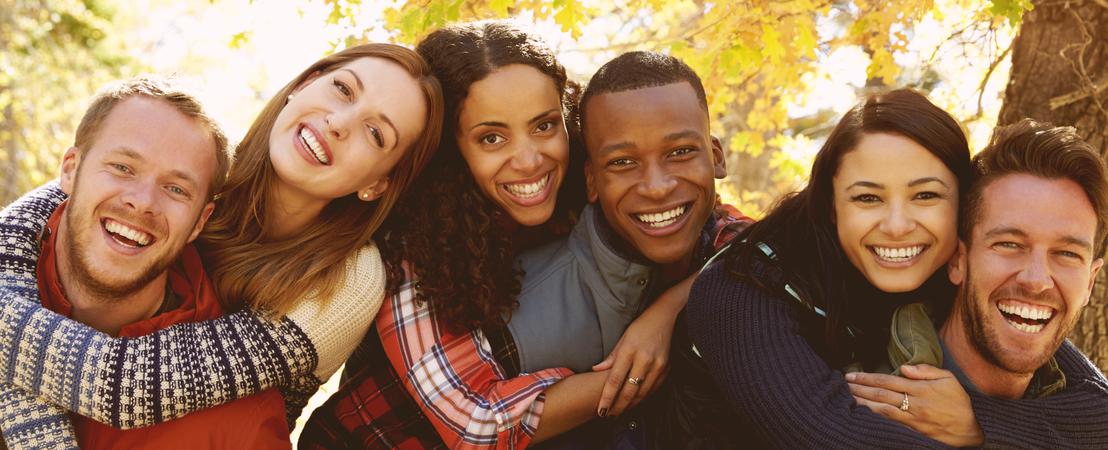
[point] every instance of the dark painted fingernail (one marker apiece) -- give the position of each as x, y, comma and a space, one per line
603, 412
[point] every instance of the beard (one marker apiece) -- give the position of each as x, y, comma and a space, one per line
81, 265
985, 336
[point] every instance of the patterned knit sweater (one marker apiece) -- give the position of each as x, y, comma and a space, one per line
135, 382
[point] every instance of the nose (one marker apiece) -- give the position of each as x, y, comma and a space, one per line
338, 124
656, 183
898, 221
1035, 275
527, 158
141, 197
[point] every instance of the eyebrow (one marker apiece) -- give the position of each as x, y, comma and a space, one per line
131, 153
686, 134
1068, 239
361, 87
913, 183
504, 125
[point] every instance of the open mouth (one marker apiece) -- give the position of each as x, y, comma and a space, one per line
314, 147
1025, 316
125, 235
531, 192
897, 255
662, 219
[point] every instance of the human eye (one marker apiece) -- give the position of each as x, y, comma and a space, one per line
928, 195
343, 88
545, 126
620, 163
177, 190
121, 168
1007, 245
1068, 254
865, 198
683, 151
378, 137
491, 139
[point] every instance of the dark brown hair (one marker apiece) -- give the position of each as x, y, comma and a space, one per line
464, 260
1042, 150
162, 89
273, 275
801, 227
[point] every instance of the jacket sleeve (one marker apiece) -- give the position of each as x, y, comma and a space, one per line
456, 381
134, 382
751, 343
1072, 418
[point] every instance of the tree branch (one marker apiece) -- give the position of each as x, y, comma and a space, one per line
1078, 95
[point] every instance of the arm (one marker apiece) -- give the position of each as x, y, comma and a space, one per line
1072, 418
751, 343
189, 366
465, 394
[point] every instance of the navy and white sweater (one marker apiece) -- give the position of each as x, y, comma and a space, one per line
135, 382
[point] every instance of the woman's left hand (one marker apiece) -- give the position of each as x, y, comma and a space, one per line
640, 359
937, 406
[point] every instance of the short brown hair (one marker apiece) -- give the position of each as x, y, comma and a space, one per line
158, 88
1046, 151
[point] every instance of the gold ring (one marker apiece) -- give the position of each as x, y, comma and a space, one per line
634, 381
904, 403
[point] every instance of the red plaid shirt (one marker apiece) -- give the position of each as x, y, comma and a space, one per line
465, 398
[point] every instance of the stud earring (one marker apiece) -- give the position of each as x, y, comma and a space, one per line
365, 195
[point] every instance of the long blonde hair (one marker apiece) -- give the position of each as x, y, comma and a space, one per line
273, 275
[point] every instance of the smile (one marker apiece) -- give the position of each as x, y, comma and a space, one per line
897, 254
529, 193
127, 236
662, 219
1025, 316
307, 137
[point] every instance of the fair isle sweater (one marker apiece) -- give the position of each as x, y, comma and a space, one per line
135, 382
782, 394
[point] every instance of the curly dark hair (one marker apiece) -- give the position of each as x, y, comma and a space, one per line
458, 243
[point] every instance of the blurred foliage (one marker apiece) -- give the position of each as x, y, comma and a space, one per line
755, 56
53, 55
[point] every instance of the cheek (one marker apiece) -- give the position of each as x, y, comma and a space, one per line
942, 222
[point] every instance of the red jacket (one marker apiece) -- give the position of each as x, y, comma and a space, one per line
254, 422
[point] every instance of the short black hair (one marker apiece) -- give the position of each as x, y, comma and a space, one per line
637, 70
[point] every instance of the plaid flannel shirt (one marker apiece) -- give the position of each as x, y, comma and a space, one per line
467, 397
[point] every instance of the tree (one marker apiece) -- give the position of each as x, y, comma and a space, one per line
1060, 75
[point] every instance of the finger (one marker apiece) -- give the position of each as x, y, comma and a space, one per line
877, 394
605, 364
884, 381
885, 410
613, 384
651, 381
925, 372
629, 392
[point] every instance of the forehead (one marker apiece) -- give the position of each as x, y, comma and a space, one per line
643, 117
890, 160
159, 134
390, 86
1038, 206
515, 91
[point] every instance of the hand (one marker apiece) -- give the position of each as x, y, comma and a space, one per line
938, 406
641, 353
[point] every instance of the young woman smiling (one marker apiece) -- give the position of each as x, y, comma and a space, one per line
290, 238
813, 288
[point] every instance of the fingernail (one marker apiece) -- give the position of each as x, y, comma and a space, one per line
851, 376
603, 412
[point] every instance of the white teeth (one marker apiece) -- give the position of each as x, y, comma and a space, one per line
528, 190
1027, 328
141, 238
1028, 312
662, 219
898, 254
313, 146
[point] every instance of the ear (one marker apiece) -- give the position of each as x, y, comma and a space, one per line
373, 191
590, 183
1097, 265
70, 162
719, 160
956, 268
203, 219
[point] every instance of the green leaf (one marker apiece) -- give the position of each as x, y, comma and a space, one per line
1011, 9
240, 38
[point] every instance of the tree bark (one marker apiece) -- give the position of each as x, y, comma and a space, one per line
1060, 75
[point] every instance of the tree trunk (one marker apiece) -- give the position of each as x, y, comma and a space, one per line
1060, 75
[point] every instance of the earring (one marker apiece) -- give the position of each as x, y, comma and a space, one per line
365, 195
289, 98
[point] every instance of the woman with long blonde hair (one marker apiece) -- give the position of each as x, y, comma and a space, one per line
290, 238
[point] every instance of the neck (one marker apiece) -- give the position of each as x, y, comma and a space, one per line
293, 210
989, 378
105, 313
675, 271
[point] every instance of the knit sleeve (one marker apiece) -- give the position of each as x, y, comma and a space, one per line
133, 382
751, 343
1073, 418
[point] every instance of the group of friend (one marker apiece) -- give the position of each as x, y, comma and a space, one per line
503, 259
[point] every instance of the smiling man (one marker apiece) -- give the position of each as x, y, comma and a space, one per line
117, 254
